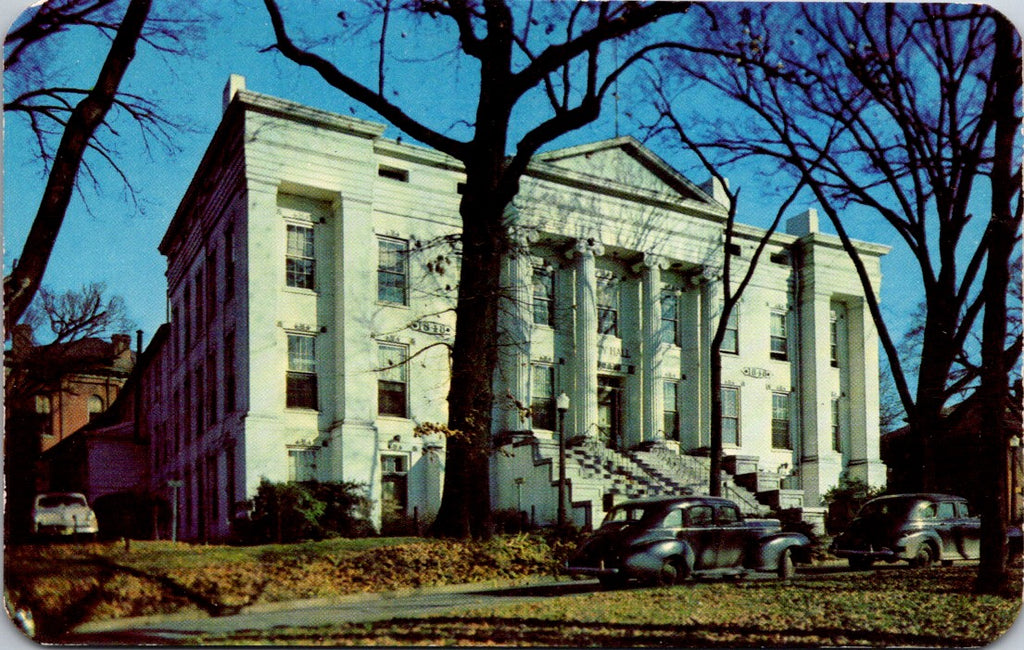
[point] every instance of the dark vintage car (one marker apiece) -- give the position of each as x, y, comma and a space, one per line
918, 528
665, 540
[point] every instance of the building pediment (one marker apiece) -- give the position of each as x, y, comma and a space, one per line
625, 162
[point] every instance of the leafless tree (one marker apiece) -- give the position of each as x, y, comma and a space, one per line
553, 52
73, 315
76, 117
910, 113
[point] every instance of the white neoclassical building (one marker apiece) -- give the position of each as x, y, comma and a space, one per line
312, 270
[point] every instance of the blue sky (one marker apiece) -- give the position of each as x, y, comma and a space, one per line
106, 239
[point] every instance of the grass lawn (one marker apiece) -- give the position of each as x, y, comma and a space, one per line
68, 584
893, 606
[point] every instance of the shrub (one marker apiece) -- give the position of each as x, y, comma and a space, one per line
309, 510
844, 500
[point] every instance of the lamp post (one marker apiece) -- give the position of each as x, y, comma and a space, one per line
562, 405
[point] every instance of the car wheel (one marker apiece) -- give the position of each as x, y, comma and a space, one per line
923, 559
860, 563
673, 571
786, 569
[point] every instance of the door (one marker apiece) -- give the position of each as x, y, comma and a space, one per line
730, 536
699, 532
609, 410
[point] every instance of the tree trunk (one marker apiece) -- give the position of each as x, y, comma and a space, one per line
993, 572
21, 285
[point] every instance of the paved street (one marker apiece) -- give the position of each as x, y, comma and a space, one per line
312, 613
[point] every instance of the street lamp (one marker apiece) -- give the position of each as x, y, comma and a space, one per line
562, 405
174, 485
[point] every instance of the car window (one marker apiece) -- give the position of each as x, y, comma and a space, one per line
699, 516
58, 500
673, 519
626, 513
963, 509
946, 510
728, 514
925, 510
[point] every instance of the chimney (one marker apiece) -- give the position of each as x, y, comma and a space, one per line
717, 190
235, 83
121, 343
22, 339
803, 224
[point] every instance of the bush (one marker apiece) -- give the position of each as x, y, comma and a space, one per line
844, 500
309, 510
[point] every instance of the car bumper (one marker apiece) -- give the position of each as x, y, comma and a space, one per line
65, 529
592, 571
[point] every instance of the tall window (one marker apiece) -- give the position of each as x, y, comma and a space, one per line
394, 487
731, 341
301, 464
211, 285
833, 338
779, 336
229, 261
837, 429
189, 311
393, 381
607, 306
393, 271
200, 410
211, 388
229, 372
670, 317
730, 415
543, 297
542, 397
301, 390
671, 419
299, 257
780, 421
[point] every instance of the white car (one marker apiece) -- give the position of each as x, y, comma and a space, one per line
63, 513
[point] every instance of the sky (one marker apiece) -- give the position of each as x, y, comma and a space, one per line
108, 238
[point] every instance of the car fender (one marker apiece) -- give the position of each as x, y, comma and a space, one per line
647, 560
911, 542
769, 549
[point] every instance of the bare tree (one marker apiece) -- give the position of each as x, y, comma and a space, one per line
74, 315
67, 121
518, 50
912, 114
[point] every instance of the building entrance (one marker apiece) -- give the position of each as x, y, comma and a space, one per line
609, 410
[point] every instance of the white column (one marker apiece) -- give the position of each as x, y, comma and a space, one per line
651, 358
819, 465
864, 461
584, 402
515, 323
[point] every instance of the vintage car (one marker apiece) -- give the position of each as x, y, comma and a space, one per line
63, 513
918, 528
665, 540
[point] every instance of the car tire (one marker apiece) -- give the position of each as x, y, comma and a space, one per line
924, 557
786, 569
860, 563
674, 571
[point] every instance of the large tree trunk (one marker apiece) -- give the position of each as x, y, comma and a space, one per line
993, 573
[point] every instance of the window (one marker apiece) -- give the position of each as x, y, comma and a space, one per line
393, 271
727, 514
607, 306
211, 388
671, 420
670, 317
43, 404
200, 410
542, 399
299, 257
837, 430
188, 316
674, 519
200, 305
301, 390
779, 338
211, 285
833, 338
730, 415
700, 516
393, 383
780, 421
394, 483
229, 372
946, 510
229, 261
301, 464
543, 297
95, 406
731, 340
